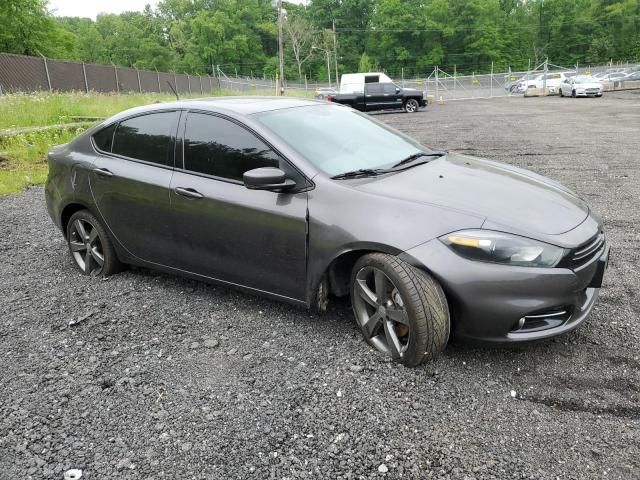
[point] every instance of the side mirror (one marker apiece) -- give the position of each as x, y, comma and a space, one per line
267, 178
397, 89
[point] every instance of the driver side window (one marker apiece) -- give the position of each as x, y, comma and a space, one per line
220, 148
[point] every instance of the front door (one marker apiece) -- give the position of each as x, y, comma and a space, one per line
374, 96
130, 183
225, 231
392, 96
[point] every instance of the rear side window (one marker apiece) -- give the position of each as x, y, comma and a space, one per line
147, 137
218, 147
374, 88
104, 138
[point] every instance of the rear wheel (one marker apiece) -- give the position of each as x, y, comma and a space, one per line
402, 311
560, 92
90, 245
411, 105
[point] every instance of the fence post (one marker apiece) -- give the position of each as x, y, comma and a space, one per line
158, 75
46, 69
454, 78
115, 69
84, 74
189, 82
200, 78
175, 81
437, 83
139, 83
491, 81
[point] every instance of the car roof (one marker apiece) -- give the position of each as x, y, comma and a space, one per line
237, 105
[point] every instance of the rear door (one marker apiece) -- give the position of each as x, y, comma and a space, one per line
130, 182
374, 96
225, 231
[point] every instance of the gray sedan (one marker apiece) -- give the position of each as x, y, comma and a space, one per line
303, 201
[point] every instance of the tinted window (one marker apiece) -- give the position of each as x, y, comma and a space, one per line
104, 138
389, 88
147, 137
374, 88
218, 147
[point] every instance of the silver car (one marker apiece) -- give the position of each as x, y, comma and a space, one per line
580, 86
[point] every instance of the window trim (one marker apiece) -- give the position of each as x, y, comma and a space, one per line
307, 184
117, 123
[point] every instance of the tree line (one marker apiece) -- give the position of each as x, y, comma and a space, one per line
405, 37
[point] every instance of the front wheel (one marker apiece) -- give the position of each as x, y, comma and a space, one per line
401, 311
90, 245
573, 93
411, 105
560, 92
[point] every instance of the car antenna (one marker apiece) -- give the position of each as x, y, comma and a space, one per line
173, 89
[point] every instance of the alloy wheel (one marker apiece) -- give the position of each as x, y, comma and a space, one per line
411, 105
379, 309
86, 246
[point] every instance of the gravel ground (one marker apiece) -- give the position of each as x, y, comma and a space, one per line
162, 377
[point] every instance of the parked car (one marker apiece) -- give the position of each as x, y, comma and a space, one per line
324, 92
611, 77
580, 86
633, 76
382, 96
519, 85
302, 200
551, 80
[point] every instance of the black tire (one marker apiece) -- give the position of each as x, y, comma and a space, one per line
411, 105
426, 324
96, 244
560, 92
573, 93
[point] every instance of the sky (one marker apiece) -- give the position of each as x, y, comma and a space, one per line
91, 8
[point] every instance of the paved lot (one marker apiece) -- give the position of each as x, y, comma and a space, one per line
169, 378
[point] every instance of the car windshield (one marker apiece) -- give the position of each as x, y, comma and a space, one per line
584, 80
338, 139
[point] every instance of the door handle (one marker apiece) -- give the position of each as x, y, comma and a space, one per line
103, 171
188, 192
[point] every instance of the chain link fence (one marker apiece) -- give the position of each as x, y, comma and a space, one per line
21, 73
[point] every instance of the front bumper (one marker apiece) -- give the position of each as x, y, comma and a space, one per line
489, 301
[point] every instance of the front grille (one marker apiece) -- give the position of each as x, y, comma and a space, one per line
593, 90
585, 252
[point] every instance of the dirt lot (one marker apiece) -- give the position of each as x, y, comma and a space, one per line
169, 378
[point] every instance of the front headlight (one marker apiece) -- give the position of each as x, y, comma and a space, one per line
504, 248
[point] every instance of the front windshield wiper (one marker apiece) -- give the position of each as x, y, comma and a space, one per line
417, 155
361, 172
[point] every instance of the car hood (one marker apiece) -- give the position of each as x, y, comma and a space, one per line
513, 198
583, 86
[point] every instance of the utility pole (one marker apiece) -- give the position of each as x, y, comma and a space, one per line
280, 49
335, 52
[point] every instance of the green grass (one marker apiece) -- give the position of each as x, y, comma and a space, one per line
23, 160
23, 156
39, 109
